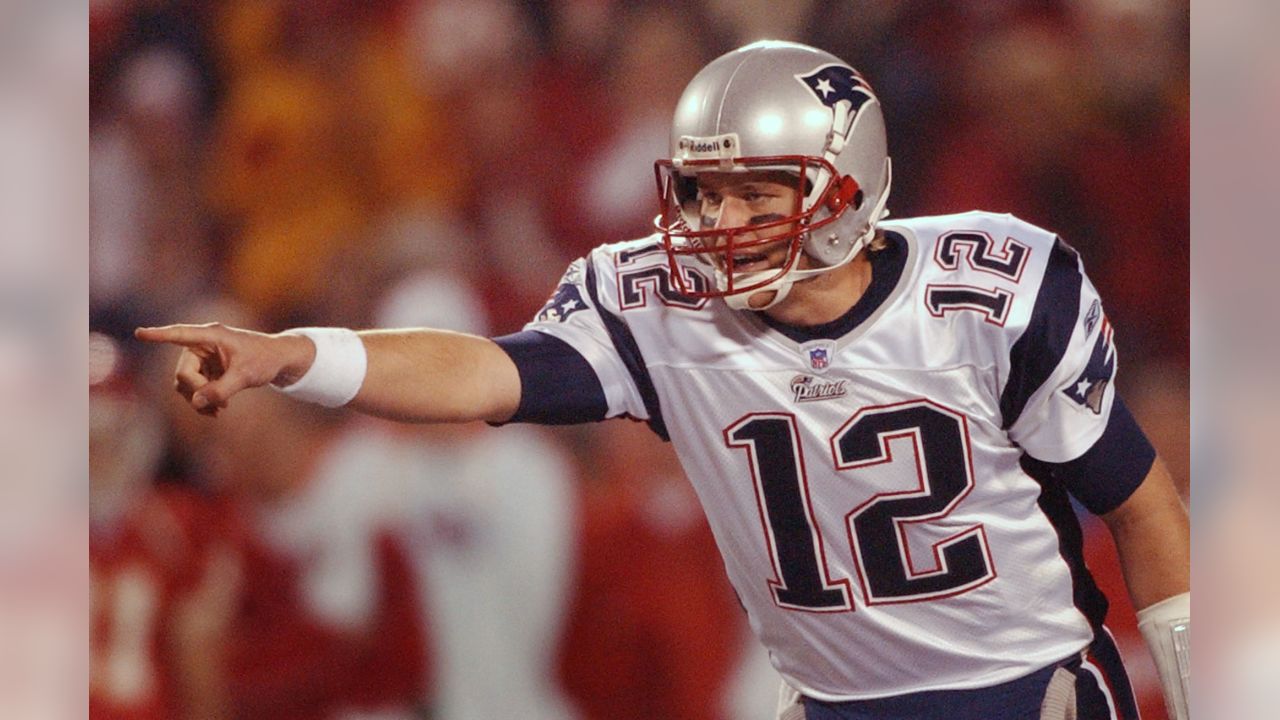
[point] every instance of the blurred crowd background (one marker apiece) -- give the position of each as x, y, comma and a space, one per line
273, 163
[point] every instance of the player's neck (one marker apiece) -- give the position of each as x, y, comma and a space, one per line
826, 297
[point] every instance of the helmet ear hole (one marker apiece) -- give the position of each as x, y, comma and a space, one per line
845, 189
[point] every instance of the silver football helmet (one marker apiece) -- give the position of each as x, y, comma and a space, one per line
775, 105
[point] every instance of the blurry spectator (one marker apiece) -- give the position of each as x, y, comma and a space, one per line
1138, 60
159, 568
107, 21
120, 30
751, 20
149, 226
1137, 49
326, 622
488, 519
324, 125
1035, 144
402, 251
520, 566
514, 136
655, 43
655, 630
578, 31
909, 50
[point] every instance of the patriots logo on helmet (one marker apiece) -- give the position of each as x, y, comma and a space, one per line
1090, 387
833, 83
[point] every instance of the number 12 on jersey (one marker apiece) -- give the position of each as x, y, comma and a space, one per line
876, 528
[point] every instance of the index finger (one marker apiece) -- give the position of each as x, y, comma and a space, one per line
186, 335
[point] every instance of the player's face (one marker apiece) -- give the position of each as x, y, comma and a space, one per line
755, 203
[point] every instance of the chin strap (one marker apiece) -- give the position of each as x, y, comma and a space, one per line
780, 289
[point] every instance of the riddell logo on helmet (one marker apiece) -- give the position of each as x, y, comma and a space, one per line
715, 146
703, 147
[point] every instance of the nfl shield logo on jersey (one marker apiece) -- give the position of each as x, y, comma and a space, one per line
819, 354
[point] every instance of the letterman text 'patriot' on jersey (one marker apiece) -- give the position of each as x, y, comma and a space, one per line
887, 490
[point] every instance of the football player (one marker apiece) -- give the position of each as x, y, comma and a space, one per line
161, 564
884, 421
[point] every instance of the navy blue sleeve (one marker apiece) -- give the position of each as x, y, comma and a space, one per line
1107, 473
557, 385
1040, 349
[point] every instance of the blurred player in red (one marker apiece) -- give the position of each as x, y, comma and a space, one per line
627, 652
326, 621
521, 564
158, 571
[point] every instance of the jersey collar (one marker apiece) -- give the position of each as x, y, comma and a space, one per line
886, 272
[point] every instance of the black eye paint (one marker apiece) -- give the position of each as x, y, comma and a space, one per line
762, 219
709, 222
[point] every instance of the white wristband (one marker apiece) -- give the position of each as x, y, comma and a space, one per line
337, 373
1166, 626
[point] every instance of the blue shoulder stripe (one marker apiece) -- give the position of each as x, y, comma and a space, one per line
625, 343
1043, 344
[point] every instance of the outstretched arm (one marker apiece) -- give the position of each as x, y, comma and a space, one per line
415, 375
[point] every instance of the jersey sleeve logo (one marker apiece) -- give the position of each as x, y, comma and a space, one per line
1090, 387
1091, 317
567, 299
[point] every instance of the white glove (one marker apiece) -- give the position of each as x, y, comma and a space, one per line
1166, 626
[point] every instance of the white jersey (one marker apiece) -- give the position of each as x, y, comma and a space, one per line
488, 523
865, 490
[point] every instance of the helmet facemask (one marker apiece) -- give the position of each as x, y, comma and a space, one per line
822, 198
